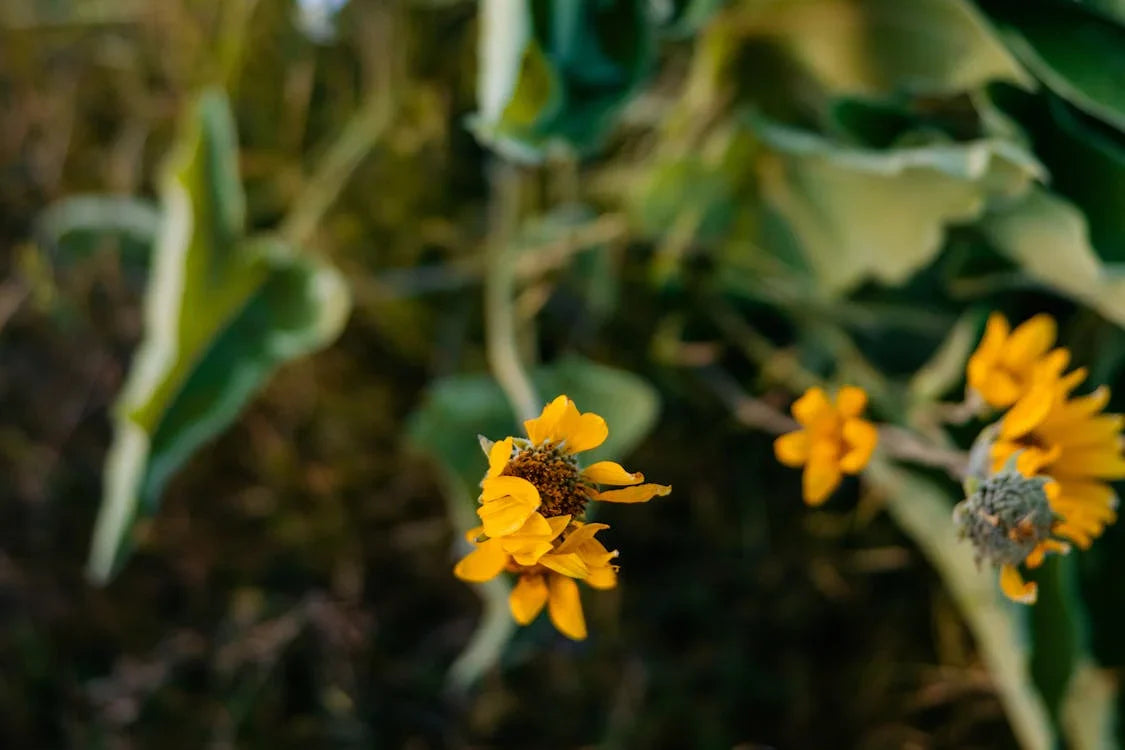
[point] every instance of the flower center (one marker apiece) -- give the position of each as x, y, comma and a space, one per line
1006, 517
555, 475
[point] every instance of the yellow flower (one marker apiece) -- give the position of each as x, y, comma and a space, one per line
833, 440
1000, 369
532, 502
1070, 440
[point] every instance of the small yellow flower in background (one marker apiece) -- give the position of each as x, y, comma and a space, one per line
1001, 368
1063, 445
533, 500
833, 440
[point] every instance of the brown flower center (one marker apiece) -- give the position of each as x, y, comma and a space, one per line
556, 477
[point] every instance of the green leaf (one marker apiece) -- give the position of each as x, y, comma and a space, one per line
458, 408
924, 511
554, 74
1049, 238
882, 214
222, 311
75, 225
877, 47
1076, 53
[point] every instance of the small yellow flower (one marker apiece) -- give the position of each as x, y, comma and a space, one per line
1070, 440
1000, 369
833, 440
533, 501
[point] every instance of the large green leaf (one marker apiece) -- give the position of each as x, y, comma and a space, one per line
222, 311
458, 408
553, 74
876, 47
1078, 54
1049, 238
882, 214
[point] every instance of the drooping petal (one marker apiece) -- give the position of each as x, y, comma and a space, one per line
861, 438
527, 598
1029, 341
498, 456
811, 406
568, 564
850, 401
531, 541
578, 535
542, 428
792, 448
819, 479
482, 564
640, 493
608, 472
473, 534
493, 488
565, 607
505, 515
602, 578
1014, 587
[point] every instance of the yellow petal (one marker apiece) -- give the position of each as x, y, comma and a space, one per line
1029, 341
565, 608
558, 523
498, 456
473, 534
861, 438
531, 541
505, 515
602, 578
812, 406
1099, 464
850, 401
641, 493
819, 479
581, 432
569, 564
526, 553
792, 448
1014, 587
542, 428
608, 472
482, 564
999, 389
1027, 413
494, 488
996, 332
579, 535
527, 598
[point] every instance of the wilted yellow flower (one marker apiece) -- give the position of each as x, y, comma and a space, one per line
1070, 440
533, 500
1000, 369
833, 440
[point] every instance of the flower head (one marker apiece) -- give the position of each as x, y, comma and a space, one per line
532, 505
1069, 439
832, 441
1001, 367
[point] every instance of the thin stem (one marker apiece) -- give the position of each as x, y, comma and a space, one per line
499, 288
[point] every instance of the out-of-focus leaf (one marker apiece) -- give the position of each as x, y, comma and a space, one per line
554, 74
1078, 54
222, 312
947, 367
458, 408
882, 214
1049, 238
73, 225
924, 512
876, 47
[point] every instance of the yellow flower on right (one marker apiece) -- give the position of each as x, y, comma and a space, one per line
1049, 433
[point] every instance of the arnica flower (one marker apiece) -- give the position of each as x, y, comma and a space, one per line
1001, 367
533, 502
832, 441
1069, 439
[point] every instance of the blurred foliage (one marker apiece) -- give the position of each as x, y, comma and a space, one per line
717, 199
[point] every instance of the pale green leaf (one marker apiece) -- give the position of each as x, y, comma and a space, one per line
1049, 238
882, 214
221, 313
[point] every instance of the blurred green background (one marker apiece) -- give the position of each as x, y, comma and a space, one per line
258, 256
